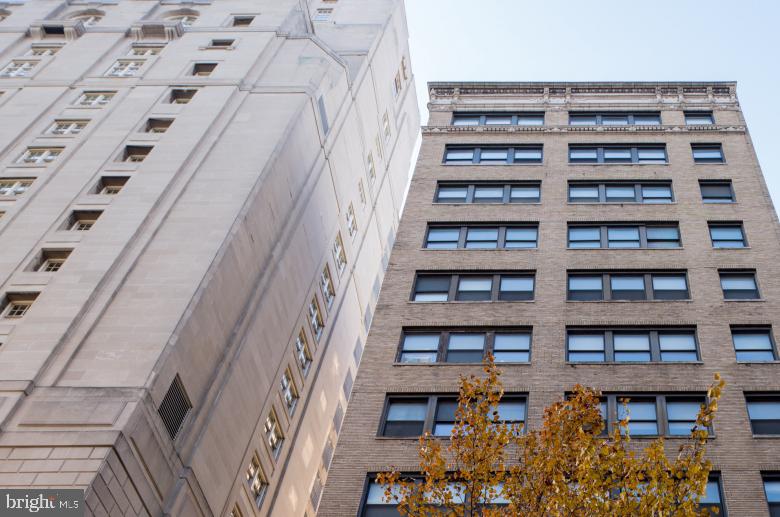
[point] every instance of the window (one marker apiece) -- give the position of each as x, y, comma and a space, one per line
654, 415
467, 345
39, 155
236, 512
243, 20
351, 221
326, 285
739, 285
624, 236
51, 261
362, 192
730, 235
157, 125
339, 255
764, 413
181, 96
411, 416
82, 220
481, 237
707, 153
135, 153
473, 287
376, 505
493, 155
95, 99
487, 193
627, 286
289, 392
371, 169
753, 344
256, 480
53, 31
221, 44
17, 304
18, 68
712, 499
67, 127
614, 119
110, 185
323, 114
699, 118
322, 14
386, 126
620, 192
273, 434
772, 492
89, 18
617, 154
302, 352
185, 19
631, 344
14, 186
315, 318
717, 191
41, 50
203, 69
125, 68
397, 84
145, 50
498, 119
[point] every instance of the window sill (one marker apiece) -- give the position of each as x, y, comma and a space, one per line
537, 164
751, 363
618, 203
732, 249
458, 364
404, 438
472, 301
628, 301
745, 300
633, 363
27, 166
8, 198
624, 249
766, 436
488, 204
477, 249
624, 164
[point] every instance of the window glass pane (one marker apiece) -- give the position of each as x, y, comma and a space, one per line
651, 154
726, 232
698, 118
712, 493
671, 342
716, 191
586, 342
482, 238
621, 282
617, 154
663, 236
524, 193
488, 193
463, 120
521, 237
682, 409
460, 154
433, 283
512, 342
614, 120
475, 284
647, 120
632, 341
493, 155
421, 342
511, 410
623, 237
583, 192
407, 410
772, 488
585, 154
466, 341
738, 282
496, 120
669, 282
528, 155
764, 410
584, 237
620, 192
443, 237
707, 154
585, 283
752, 341
530, 120
657, 194
582, 120
452, 193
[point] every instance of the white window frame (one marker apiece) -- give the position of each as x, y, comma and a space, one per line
289, 391
302, 352
19, 68
315, 318
12, 187
145, 50
274, 437
95, 99
256, 481
43, 50
39, 155
327, 287
339, 254
352, 226
63, 127
125, 68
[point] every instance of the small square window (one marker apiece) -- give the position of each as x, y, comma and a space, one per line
221, 44
110, 185
772, 493
707, 153
727, 236
50, 261
474, 288
242, 21
67, 127
431, 288
95, 99
764, 413
419, 348
256, 481
405, 417
157, 125
717, 191
753, 344
465, 347
82, 220
17, 304
203, 69
135, 153
739, 285
181, 96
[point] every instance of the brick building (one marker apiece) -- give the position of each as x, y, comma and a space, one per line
197, 203
618, 235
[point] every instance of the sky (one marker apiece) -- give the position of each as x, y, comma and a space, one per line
609, 40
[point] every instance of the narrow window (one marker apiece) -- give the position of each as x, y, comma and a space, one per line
323, 114
157, 125
712, 500
753, 344
772, 492
256, 480
445, 418
351, 221
371, 169
386, 126
289, 392
339, 255
302, 352
326, 285
203, 69
135, 153
181, 96
739, 286
764, 413
315, 318
273, 434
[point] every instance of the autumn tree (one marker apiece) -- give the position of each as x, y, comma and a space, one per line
569, 467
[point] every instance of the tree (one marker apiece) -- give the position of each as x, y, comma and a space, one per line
569, 467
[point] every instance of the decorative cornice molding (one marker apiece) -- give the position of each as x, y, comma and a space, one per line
429, 130
157, 30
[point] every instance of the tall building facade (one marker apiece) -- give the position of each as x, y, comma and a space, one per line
616, 235
197, 204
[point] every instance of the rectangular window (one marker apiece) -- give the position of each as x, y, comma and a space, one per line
432, 288
302, 353
707, 153
739, 285
386, 126
699, 118
273, 434
339, 255
516, 287
617, 154
631, 344
651, 415
473, 287
43, 50
412, 416
712, 500
221, 44
14, 186
135, 153
513, 155
727, 235
772, 493
620, 192
82, 220
39, 155
481, 237
145, 50
716, 191
397, 84
498, 119
203, 69
624, 236
466, 345
94, 99
289, 391
627, 286
181, 95
322, 14
323, 114
315, 318
256, 481
17, 304
157, 125
110, 185
18, 68
50, 261
764, 413
125, 68
753, 344
243, 20
351, 221
67, 127
614, 119
642, 415
326, 286
487, 193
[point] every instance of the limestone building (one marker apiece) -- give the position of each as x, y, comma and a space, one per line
197, 204
617, 235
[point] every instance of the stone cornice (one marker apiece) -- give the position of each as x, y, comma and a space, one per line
429, 130
677, 89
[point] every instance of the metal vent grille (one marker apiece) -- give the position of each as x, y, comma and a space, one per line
174, 407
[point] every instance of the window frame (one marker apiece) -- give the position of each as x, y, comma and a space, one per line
642, 228
443, 337
754, 329
702, 146
694, 113
511, 150
638, 187
256, 475
606, 285
769, 396
101, 98
772, 506
727, 224
501, 235
471, 187
599, 117
654, 334
17, 186
494, 295
717, 183
273, 435
634, 150
661, 411
482, 117
739, 272
69, 125
125, 67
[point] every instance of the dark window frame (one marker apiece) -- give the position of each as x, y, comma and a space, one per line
754, 329
727, 224
599, 117
721, 505
772, 506
654, 334
717, 183
445, 333
696, 146
482, 116
642, 228
739, 294
634, 152
763, 396
703, 113
637, 186
472, 186
501, 229
510, 155
495, 292
650, 293
661, 414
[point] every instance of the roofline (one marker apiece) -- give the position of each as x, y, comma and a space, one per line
562, 84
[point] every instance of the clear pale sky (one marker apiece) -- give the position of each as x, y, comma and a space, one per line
609, 40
